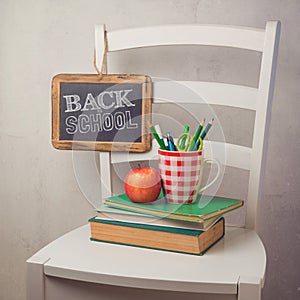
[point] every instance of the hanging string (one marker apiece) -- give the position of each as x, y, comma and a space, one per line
101, 71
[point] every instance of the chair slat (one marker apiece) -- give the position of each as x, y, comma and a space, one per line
187, 92
194, 34
121, 157
228, 154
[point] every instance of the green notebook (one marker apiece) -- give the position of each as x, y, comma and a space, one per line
208, 207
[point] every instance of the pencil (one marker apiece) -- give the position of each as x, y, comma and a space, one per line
205, 131
195, 139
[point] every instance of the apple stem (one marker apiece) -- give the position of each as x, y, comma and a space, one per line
139, 165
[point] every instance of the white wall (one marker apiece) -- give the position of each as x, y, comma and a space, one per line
40, 198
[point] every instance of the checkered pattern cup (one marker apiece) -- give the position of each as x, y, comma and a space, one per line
181, 174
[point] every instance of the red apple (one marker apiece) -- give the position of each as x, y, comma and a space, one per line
142, 184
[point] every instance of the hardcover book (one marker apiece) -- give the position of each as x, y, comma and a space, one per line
166, 238
108, 213
196, 212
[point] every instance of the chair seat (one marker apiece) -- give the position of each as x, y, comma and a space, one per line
73, 256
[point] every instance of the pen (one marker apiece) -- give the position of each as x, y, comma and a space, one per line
195, 138
170, 142
159, 141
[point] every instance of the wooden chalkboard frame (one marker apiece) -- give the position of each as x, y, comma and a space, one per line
130, 146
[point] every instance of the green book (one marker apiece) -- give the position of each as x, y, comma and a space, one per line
165, 238
208, 207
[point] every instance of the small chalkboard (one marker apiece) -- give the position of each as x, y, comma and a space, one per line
103, 113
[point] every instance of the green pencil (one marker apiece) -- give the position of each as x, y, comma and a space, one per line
196, 136
205, 131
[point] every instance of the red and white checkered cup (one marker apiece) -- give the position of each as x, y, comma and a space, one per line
181, 174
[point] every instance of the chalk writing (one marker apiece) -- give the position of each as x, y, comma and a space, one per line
111, 110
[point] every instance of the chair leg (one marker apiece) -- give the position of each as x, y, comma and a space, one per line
249, 288
35, 278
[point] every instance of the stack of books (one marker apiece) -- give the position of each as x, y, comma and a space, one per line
187, 228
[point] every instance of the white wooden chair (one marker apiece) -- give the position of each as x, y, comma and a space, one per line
235, 267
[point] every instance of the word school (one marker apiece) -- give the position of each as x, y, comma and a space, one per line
99, 121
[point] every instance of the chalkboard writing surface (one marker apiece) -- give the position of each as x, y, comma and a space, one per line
107, 113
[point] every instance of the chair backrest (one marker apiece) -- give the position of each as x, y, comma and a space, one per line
257, 99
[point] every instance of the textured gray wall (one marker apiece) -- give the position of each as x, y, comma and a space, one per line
40, 198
